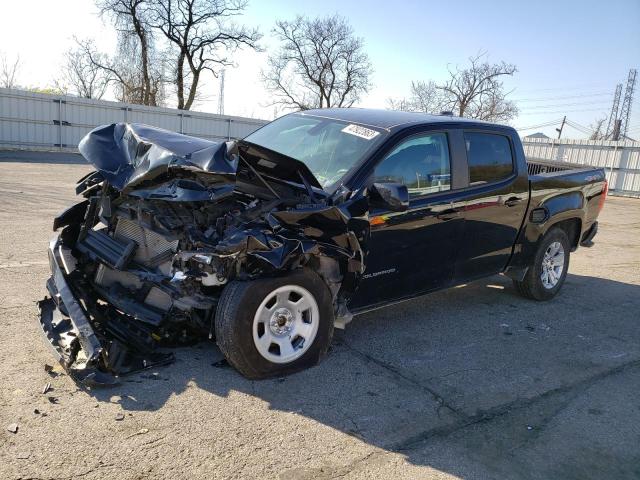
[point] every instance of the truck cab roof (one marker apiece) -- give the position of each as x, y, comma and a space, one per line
391, 120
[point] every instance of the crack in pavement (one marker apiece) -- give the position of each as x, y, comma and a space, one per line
416, 441
433, 393
488, 415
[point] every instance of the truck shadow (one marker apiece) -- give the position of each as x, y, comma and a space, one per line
399, 377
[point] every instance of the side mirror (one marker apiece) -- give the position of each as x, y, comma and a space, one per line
390, 196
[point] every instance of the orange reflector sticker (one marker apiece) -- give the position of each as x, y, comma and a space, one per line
377, 221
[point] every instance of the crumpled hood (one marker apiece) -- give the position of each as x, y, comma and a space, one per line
129, 154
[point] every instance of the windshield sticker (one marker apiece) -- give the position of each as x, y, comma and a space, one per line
361, 132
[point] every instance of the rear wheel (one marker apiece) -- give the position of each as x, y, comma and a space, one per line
275, 326
545, 277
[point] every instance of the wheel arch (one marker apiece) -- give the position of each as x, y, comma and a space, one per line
572, 227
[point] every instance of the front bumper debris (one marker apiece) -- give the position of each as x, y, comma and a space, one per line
166, 222
91, 357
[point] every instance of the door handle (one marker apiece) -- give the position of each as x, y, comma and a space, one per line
512, 202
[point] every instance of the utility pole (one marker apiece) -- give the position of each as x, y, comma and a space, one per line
559, 130
221, 94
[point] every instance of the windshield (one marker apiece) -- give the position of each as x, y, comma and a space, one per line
329, 148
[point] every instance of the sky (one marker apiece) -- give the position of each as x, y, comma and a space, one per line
570, 54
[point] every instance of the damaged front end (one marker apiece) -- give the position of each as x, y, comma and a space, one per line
165, 222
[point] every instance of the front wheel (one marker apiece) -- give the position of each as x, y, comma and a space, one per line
545, 277
275, 326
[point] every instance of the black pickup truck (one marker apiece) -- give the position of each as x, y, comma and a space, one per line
265, 244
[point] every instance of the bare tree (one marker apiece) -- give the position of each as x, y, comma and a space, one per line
598, 129
475, 92
203, 37
402, 104
425, 97
9, 71
124, 73
135, 82
130, 17
81, 76
320, 64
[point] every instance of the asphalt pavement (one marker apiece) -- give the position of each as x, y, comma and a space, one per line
473, 382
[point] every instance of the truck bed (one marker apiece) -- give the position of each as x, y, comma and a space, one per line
549, 179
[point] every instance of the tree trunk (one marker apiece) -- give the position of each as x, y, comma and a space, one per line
193, 89
144, 51
180, 81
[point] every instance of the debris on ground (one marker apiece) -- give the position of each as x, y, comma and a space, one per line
120, 417
221, 363
23, 455
46, 388
142, 431
53, 400
13, 428
51, 370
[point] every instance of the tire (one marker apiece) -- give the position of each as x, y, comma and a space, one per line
534, 285
247, 321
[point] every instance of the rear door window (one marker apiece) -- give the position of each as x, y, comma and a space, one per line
489, 157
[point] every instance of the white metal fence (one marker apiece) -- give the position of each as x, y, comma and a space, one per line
621, 160
40, 121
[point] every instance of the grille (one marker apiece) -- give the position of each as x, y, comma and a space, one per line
153, 250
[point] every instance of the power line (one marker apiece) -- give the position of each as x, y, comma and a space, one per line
571, 87
541, 125
562, 97
570, 123
563, 111
580, 128
571, 104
